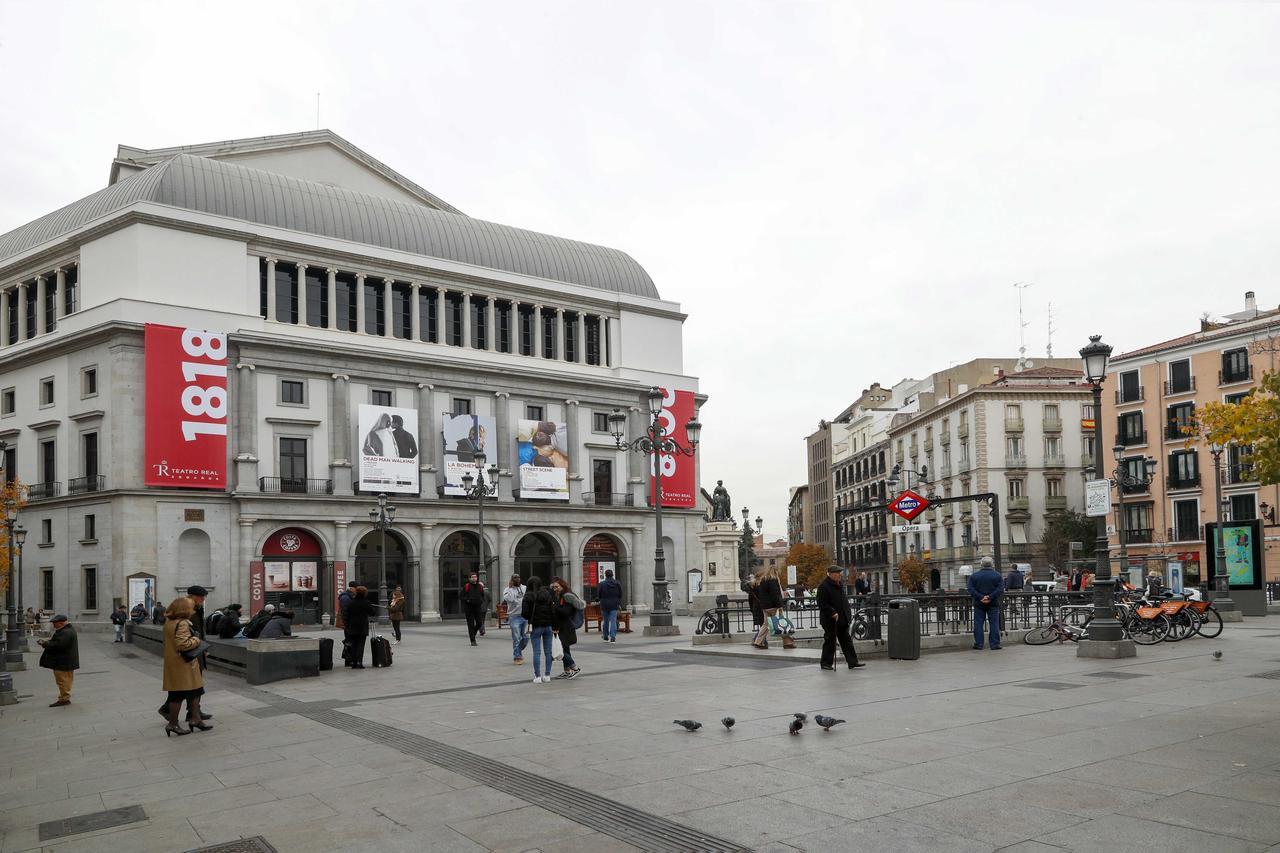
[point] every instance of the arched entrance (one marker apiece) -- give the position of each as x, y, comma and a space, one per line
602, 553
535, 556
295, 574
368, 564
459, 557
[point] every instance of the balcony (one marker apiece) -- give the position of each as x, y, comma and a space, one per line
1055, 503
1239, 473
1055, 460
913, 450
962, 431
1019, 550
294, 486
1189, 533
1086, 460
1136, 489
1014, 425
608, 499
1179, 482
963, 466
944, 470
944, 439
1231, 377
1179, 431
1138, 536
964, 552
940, 554
1053, 424
1019, 504
1130, 395
80, 485
1015, 460
43, 491
1133, 439
1180, 386
948, 510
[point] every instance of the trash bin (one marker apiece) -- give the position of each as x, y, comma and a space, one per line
326, 653
128, 631
904, 629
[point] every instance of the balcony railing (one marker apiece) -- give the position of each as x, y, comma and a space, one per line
1015, 460
43, 491
1239, 474
1178, 482
944, 439
1133, 438
1138, 536
86, 484
1231, 377
1086, 460
294, 486
964, 552
1055, 460
1013, 425
1180, 386
608, 498
1190, 533
1055, 502
1135, 489
1052, 424
963, 465
962, 430
944, 470
1019, 549
1179, 431
1130, 395
1019, 504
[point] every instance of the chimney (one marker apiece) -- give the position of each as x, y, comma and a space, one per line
1250, 304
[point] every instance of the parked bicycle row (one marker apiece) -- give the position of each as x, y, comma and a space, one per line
1147, 621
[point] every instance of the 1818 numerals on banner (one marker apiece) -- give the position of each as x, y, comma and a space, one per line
201, 398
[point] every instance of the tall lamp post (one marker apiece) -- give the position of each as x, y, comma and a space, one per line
655, 444
477, 488
1221, 582
1106, 634
1126, 479
383, 516
748, 543
13, 661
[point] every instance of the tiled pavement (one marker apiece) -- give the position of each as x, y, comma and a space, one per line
1026, 749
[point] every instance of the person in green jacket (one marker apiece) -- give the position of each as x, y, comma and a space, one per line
62, 655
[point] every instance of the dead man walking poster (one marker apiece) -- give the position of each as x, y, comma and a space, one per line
388, 450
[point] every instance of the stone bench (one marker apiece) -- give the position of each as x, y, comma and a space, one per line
257, 661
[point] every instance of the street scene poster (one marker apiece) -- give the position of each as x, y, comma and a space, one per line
388, 449
464, 437
542, 448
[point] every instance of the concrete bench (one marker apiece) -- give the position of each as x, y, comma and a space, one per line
257, 661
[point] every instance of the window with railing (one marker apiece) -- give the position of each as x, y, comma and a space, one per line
1130, 429
1130, 390
1184, 469
1135, 469
1137, 523
1239, 469
293, 465
1235, 366
1186, 521
1180, 421
1244, 507
1180, 379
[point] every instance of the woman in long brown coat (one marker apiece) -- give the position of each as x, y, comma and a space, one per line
396, 609
182, 678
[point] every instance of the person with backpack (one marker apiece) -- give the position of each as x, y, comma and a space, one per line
537, 607
610, 594
359, 614
278, 626
226, 622
259, 621
568, 619
473, 599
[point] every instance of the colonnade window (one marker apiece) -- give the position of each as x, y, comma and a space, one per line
593, 344
33, 306
345, 299
317, 297
526, 330
402, 310
502, 310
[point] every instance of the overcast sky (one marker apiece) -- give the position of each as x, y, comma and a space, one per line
836, 193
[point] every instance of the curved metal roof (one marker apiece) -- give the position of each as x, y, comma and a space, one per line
265, 198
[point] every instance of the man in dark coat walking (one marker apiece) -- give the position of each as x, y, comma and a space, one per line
62, 655
836, 617
473, 598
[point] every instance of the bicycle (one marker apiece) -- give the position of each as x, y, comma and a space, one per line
1060, 629
1145, 624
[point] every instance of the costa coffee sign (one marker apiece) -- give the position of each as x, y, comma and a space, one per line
186, 409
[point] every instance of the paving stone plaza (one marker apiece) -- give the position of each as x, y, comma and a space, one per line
453, 749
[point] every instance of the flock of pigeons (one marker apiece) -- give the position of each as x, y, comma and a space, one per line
824, 722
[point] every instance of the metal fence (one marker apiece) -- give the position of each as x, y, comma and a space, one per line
941, 613
1273, 591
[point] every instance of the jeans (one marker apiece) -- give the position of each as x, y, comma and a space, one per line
568, 658
518, 638
395, 627
119, 632
986, 613
611, 624
541, 648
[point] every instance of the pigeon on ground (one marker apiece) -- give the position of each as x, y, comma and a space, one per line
689, 725
1217, 654
728, 722
796, 725
804, 718
826, 722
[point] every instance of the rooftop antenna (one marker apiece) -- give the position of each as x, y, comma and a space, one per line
1022, 329
1048, 349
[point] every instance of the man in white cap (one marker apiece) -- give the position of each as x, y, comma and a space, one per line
62, 655
986, 586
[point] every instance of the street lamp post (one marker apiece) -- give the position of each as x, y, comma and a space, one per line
748, 544
655, 444
17, 536
1125, 479
1221, 582
383, 516
1106, 634
477, 488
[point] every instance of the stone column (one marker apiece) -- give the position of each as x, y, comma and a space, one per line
505, 566
537, 331
442, 325
360, 303
240, 572
246, 427
576, 451
502, 419
415, 313
342, 545
613, 326
428, 429
466, 320
428, 573
639, 593
636, 462
340, 435
575, 559
601, 330
580, 340
559, 333
42, 293
60, 294
302, 294
491, 323
333, 296
388, 324
271, 289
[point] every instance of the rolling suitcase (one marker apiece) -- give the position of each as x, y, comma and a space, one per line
381, 650
326, 653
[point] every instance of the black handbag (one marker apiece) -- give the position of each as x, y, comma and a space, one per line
197, 652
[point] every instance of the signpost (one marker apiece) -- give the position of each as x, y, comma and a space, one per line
1097, 498
908, 505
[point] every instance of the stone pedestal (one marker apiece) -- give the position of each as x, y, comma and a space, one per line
1106, 649
720, 540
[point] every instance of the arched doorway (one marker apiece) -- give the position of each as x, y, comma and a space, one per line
295, 574
536, 557
602, 553
459, 557
368, 564
195, 562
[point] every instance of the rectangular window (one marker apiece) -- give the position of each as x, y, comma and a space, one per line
375, 306
1130, 388
502, 317
426, 316
1235, 366
89, 443
1232, 399
293, 465
525, 331
479, 321
1180, 379
602, 480
345, 295
8, 401
90, 527
461, 406
533, 413
1137, 523
1186, 521
600, 422
1130, 430
1053, 487
1014, 445
71, 281
1180, 420
10, 464
1243, 508
46, 589
1135, 468
29, 310
48, 461
46, 392
593, 340
1238, 468
11, 321
548, 333
1086, 446
292, 392
1053, 448
317, 297
89, 382
50, 306
286, 292
46, 531
1013, 412
1184, 470
380, 397
402, 310
571, 336
453, 325
90, 587
1051, 413
1015, 488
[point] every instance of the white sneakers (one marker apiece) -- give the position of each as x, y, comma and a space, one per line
546, 679
537, 679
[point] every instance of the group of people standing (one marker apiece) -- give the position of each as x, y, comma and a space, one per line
551, 615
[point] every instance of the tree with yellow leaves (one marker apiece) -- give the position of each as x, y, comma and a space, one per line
913, 574
13, 497
1253, 422
811, 563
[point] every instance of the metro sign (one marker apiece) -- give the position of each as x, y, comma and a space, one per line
908, 504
